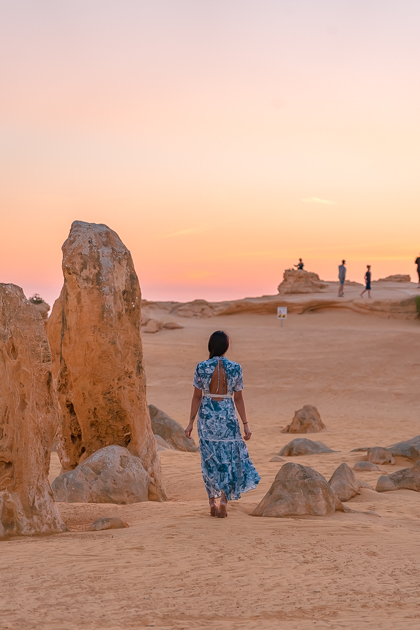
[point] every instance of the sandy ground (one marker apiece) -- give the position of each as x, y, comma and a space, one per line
176, 567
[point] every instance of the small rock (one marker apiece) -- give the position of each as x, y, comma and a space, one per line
344, 483
277, 458
365, 466
303, 446
153, 326
170, 430
172, 325
408, 478
162, 444
306, 420
108, 523
379, 455
298, 490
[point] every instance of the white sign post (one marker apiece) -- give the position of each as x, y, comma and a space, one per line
281, 314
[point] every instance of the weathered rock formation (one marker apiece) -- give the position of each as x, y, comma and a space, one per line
113, 522
303, 446
111, 475
379, 455
28, 419
298, 490
171, 431
365, 467
409, 449
153, 326
345, 484
94, 333
408, 478
305, 420
41, 306
301, 281
396, 278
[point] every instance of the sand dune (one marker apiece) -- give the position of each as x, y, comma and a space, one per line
175, 567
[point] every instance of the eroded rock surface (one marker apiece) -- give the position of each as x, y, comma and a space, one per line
111, 475
94, 333
365, 466
301, 281
298, 490
112, 522
345, 484
305, 420
28, 419
408, 478
170, 430
303, 446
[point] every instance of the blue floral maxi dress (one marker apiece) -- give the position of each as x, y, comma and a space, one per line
225, 462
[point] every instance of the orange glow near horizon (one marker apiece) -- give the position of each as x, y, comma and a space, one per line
221, 142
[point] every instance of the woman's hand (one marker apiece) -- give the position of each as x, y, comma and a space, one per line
247, 432
189, 429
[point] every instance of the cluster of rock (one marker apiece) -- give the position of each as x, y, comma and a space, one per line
300, 490
301, 281
305, 420
152, 325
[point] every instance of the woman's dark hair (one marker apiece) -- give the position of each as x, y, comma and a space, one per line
218, 344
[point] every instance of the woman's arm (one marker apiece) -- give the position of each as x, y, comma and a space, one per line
240, 406
195, 405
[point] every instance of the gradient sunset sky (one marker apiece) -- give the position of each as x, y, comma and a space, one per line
220, 139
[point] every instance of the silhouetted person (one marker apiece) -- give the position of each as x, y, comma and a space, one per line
300, 264
342, 278
417, 262
368, 278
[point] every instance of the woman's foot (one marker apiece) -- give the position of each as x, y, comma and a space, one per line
223, 507
214, 510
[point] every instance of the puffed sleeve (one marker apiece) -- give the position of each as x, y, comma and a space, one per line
198, 382
239, 381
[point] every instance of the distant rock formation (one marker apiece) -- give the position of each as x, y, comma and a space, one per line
170, 431
296, 491
41, 306
301, 281
28, 419
396, 278
305, 420
111, 475
303, 446
409, 449
152, 325
94, 333
408, 478
345, 484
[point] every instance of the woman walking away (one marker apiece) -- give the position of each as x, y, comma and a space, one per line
368, 287
225, 463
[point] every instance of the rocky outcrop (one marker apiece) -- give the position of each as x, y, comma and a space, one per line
196, 308
297, 491
112, 522
28, 419
303, 446
111, 475
94, 333
396, 278
365, 467
170, 431
408, 478
345, 484
301, 281
305, 420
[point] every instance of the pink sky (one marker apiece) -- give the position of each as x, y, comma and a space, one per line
221, 140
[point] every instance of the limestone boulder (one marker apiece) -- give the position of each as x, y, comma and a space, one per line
94, 333
277, 458
171, 431
379, 455
297, 491
305, 420
345, 484
301, 281
172, 325
28, 419
409, 449
112, 522
408, 478
303, 446
153, 326
111, 475
365, 466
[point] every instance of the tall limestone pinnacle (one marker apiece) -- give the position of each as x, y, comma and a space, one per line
28, 419
94, 333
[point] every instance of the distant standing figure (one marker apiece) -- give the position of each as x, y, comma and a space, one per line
225, 463
368, 278
300, 264
417, 262
342, 278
